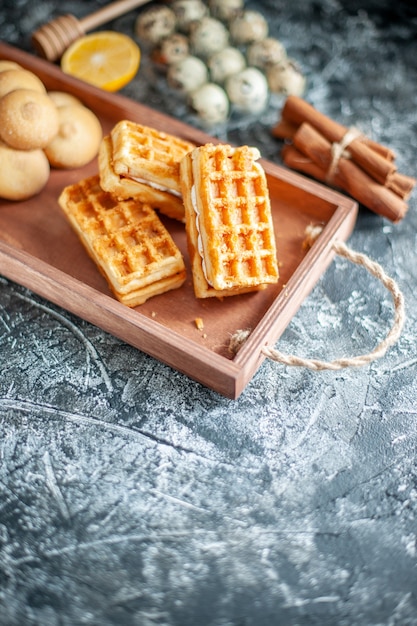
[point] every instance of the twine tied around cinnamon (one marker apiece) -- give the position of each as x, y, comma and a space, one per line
338, 150
343, 158
358, 258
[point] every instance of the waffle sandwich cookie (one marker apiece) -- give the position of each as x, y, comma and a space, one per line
137, 161
127, 241
228, 220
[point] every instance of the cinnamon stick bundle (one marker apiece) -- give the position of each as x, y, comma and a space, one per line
342, 157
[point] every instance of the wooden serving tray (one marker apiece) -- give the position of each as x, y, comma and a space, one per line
39, 250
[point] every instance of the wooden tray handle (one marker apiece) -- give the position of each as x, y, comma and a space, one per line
240, 336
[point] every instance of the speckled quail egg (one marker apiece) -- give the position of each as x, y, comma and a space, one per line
247, 27
266, 52
171, 49
248, 90
187, 74
155, 23
225, 63
225, 9
286, 78
208, 36
211, 103
187, 12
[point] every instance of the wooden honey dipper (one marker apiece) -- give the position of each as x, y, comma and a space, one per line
52, 39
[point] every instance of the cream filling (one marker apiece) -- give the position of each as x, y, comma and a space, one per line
200, 247
156, 186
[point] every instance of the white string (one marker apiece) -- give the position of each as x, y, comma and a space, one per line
338, 151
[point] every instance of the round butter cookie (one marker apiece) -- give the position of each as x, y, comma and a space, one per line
5, 64
23, 173
78, 138
28, 119
12, 79
63, 98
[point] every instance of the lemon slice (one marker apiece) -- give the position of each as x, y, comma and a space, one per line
106, 59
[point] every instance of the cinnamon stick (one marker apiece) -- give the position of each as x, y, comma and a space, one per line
377, 161
295, 106
401, 185
312, 154
284, 129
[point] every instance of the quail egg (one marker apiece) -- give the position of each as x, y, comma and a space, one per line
208, 36
225, 63
248, 90
155, 23
187, 12
247, 27
171, 49
286, 78
187, 74
211, 103
266, 52
225, 9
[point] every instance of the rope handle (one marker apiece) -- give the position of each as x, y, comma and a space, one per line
390, 339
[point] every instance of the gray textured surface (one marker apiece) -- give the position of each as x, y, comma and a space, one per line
131, 495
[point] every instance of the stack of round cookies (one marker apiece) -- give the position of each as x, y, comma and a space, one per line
40, 130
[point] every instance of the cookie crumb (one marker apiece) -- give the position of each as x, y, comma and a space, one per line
199, 323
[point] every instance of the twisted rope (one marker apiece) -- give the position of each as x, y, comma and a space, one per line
315, 364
